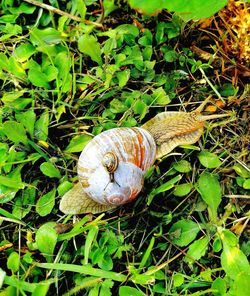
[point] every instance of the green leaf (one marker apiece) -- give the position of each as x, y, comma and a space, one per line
123, 77
15, 132
178, 279
129, 291
63, 64
11, 182
64, 187
161, 97
45, 203
147, 253
140, 108
194, 9
45, 36
23, 52
182, 189
241, 171
41, 126
46, 238
246, 184
38, 78
41, 289
210, 191
92, 234
196, 250
13, 262
48, 169
89, 45
209, 160
182, 166
28, 119
220, 286
183, 232
241, 284
234, 261
77, 143
164, 187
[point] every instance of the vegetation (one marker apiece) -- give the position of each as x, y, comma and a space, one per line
72, 69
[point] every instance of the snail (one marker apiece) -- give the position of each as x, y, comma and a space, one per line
112, 165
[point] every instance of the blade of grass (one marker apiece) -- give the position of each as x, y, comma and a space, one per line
85, 270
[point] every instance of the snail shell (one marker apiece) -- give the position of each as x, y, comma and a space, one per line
112, 165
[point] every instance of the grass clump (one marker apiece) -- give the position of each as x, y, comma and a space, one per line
64, 81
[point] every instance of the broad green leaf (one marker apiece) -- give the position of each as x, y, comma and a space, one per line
182, 166
28, 119
45, 36
24, 202
220, 287
116, 106
246, 184
160, 96
22, 8
140, 108
241, 284
24, 51
3, 62
48, 169
77, 143
210, 191
241, 171
170, 55
130, 291
15, 132
196, 250
41, 289
63, 64
51, 72
38, 78
46, 238
13, 262
46, 203
127, 29
182, 189
81, 8
89, 45
209, 160
11, 182
123, 77
178, 279
164, 187
16, 68
194, 9
109, 6
183, 232
41, 126
234, 261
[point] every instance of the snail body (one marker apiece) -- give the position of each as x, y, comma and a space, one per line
112, 165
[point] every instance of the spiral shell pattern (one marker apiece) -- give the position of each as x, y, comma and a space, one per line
135, 150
